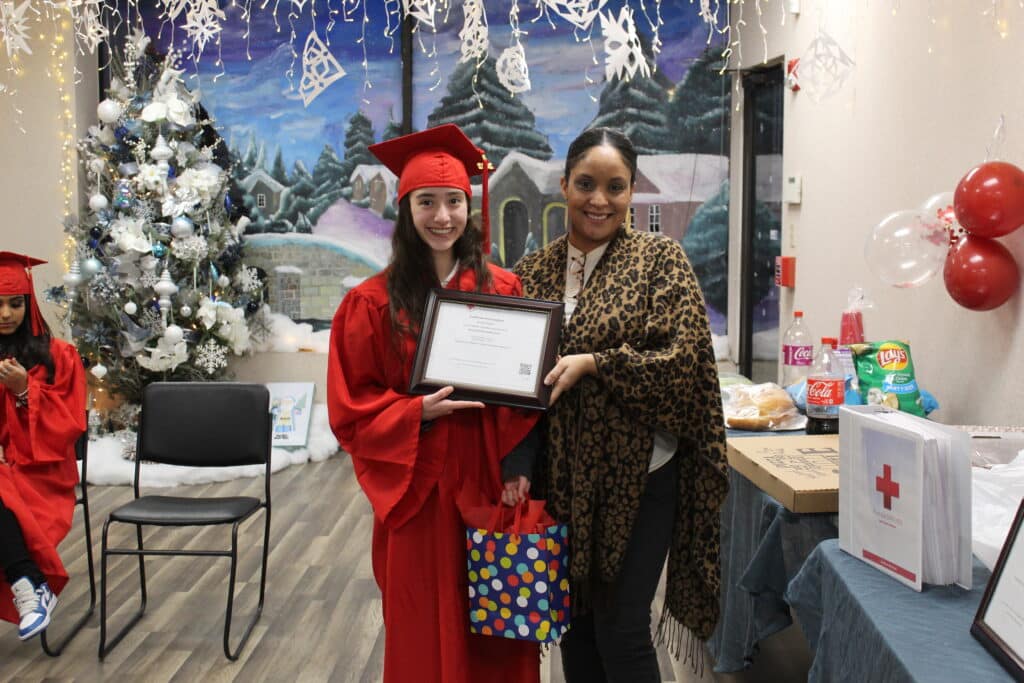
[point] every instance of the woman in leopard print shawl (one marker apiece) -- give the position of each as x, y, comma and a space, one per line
636, 360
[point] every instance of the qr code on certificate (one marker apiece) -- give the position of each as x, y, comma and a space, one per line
525, 369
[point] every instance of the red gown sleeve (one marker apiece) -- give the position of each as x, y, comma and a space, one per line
55, 414
376, 424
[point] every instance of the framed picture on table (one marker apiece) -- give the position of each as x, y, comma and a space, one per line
999, 623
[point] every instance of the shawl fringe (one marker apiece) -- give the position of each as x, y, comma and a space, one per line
672, 633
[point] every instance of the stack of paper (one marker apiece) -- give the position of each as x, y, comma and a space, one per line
905, 495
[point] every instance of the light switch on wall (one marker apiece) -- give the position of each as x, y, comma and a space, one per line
792, 189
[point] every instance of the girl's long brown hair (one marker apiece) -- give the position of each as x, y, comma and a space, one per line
411, 273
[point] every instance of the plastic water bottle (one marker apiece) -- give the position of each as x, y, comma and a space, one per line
825, 390
797, 351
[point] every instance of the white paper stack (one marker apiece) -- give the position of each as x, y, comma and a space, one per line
905, 495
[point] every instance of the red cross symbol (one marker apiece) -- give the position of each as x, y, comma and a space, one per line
888, 488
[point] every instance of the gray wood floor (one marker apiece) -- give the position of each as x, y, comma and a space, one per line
321, 621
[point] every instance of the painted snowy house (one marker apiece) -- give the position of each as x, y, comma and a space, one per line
374, 184
671, 187
265, 191
526, 203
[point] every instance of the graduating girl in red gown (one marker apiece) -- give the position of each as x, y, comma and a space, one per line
42, 413
419, 459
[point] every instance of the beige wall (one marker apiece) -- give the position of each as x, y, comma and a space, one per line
32, 194
919, 111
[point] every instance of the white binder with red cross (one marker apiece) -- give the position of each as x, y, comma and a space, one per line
905, 495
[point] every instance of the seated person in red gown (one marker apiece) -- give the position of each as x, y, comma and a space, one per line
42, 414
420, 459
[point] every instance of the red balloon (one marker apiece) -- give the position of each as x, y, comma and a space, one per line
980, 273
989, 200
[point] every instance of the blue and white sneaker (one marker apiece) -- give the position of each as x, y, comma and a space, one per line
35, 604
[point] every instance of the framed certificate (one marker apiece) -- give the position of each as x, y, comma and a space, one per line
491, 348
999, 623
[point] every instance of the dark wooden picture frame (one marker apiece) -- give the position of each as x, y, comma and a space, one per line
1012, 661
538, 399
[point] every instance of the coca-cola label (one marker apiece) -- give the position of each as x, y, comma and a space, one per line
891, 357
797, 355
825, 391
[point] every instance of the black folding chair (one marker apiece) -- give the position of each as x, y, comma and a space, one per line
201, 424
82, 454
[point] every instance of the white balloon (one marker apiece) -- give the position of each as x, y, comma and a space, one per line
906, 251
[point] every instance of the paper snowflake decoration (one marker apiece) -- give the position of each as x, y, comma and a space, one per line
824, 68
422, 10
474, 32
203, 22
513, 71
192, 249
14, 27
319, 69
89, 28
211, 356
172, 8
623, 54
579, 13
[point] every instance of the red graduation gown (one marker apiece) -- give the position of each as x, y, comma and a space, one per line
38, 483
416, 482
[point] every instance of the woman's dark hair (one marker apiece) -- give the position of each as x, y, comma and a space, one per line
411, 271
26, 348
595, 137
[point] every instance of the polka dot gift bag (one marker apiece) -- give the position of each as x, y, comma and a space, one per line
518, 573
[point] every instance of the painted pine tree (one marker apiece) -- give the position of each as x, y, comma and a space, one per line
698, 112
359, 136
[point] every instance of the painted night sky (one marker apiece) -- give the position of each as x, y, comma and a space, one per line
253, 96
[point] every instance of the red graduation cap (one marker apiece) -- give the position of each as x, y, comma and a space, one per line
16, 278
437, 157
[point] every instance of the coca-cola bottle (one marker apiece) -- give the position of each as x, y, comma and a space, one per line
825, 390
797, 351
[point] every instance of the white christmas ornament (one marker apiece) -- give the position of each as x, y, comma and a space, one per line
422, 10
166, 288
182, 227
824, 68
97, 166
130, 308
513, 71
185, 311
173, 334
14, 27
98, 202
623, 54
474, 32
319, 69
161, 151
99, 371
108, 111
223, 281
91, 266
579, 13
73, 278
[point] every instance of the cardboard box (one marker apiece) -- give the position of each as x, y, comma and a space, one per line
801, 472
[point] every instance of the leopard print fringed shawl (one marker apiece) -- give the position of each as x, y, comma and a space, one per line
642, 315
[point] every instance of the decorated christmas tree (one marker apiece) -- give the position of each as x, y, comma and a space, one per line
156, 288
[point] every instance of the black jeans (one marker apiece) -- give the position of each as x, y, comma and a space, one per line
14, 557
613, 641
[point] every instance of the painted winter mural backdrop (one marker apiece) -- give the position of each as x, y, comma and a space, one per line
322, 209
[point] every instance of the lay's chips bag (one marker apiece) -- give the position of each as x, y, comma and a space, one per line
886, 375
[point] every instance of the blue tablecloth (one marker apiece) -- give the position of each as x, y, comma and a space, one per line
864, 626
763, 546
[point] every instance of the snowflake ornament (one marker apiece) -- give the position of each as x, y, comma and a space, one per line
89, 27
14, 27
474, 32
824, 68
579, 13
172, 8
623, 55
249, 279
422, 10
203, 22
513, 71
211, 356
319, 69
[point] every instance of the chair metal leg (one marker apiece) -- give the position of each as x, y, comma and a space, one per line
55, 650
104, 648
233, 656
